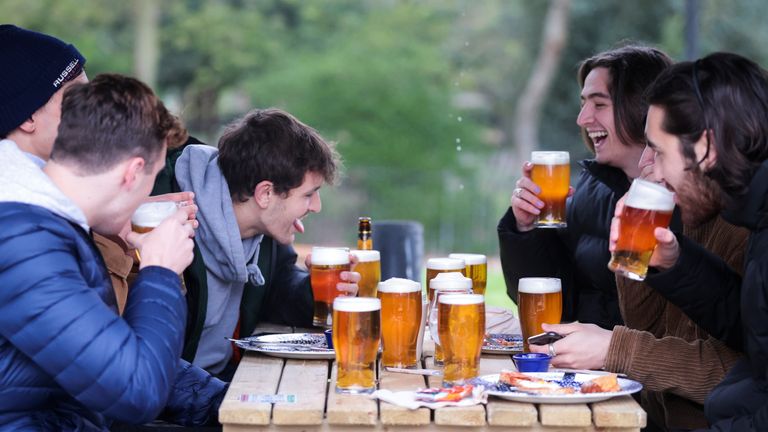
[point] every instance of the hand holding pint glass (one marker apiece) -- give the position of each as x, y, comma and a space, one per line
356, 337
162, 235
461, 325
647, 207
325, 275
539, 301
552, 173
401, 309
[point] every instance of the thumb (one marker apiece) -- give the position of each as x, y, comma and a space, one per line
563, 329
664, 236
134, 239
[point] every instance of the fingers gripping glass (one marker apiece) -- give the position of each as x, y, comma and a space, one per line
700, 99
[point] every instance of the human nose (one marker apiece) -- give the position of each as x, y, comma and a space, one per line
315, 204
585, 115
648, 157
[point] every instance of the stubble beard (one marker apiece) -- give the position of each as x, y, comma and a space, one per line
699, 198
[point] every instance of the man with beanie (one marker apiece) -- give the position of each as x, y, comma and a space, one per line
30, 111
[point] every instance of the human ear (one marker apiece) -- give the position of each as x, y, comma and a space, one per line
263, 192
706, 150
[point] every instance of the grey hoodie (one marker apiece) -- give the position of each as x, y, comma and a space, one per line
230, 261
24, 182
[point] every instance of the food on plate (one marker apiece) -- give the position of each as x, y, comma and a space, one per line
448, 394
530, 384
601, 384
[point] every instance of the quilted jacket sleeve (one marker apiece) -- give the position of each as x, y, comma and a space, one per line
195, 398
122, 368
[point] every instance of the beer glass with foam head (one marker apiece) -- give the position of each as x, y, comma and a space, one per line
648, 206
356, 337
461, 324
476, 269
400, 321
150, 214
324, 276
369, 267
552, 172
436, 266
444, 284
539, 301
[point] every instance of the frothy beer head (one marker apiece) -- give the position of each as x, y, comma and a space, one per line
327, 256
452, 281
470, 259
550, 158
646, 195
151, 214
445, 264
356, 304
539, 285
399, 285
364, 255
461, 299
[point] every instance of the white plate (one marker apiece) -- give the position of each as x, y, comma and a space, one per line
628, 386
502, 343
310, 346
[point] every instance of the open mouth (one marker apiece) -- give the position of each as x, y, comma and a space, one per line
298, 225
597, 137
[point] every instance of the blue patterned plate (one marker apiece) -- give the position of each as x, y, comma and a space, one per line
567, 379
502, 343
311, 346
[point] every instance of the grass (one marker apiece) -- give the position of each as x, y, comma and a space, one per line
496, 290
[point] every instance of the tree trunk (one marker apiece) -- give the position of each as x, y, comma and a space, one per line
147, 47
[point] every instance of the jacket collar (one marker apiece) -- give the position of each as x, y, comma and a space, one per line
750, 210
612, 177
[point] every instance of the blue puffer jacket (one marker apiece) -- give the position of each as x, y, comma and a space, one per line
67, 360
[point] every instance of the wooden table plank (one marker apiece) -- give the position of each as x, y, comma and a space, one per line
394, 415
618, 412
346, 409
256, 375
308, 381
565, 415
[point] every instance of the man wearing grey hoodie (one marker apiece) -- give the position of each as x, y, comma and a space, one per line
252, 193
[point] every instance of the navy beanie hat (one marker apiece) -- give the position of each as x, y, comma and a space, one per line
35, 66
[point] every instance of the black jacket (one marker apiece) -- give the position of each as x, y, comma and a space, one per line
285, 298
578, 254
731, 309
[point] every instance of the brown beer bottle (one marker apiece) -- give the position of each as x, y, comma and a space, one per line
364, 239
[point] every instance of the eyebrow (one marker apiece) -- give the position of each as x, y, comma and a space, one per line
650, 144
595, 95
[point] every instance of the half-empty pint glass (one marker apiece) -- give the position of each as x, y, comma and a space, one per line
436, 266
400, 322
461, 324
648, 205
369, 267
356, 337
476, 269
552, 172
444, 284
150, 214
539, 301
325, 275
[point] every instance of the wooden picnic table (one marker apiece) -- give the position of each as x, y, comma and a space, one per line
317, 407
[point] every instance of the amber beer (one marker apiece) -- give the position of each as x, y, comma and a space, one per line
436, 266
539, 301
476, 269
461, 325
150, 214
369, 267
356, 337
443, 284
648, 206
552, 173
400, 321
325, 275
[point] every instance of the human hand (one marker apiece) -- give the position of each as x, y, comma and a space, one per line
169, 245
667, 250
584, 346
525, 202
350, 278
182, 199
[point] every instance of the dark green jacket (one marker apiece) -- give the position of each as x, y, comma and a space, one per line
285, 298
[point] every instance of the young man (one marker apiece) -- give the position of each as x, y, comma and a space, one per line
252, 193
708, 126
611, 118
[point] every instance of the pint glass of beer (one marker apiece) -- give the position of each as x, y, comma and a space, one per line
476, 269
461, 324
444, 284
648, 205
552, 172
539, 301
324, 275
369, 267
443, 265
400, 322
356, 337
150, 214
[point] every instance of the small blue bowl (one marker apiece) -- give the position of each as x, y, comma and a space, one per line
329, 338
531, 362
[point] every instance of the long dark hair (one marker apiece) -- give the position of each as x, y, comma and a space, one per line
727, 94
632, 68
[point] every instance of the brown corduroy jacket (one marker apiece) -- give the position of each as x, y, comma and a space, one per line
676, 361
